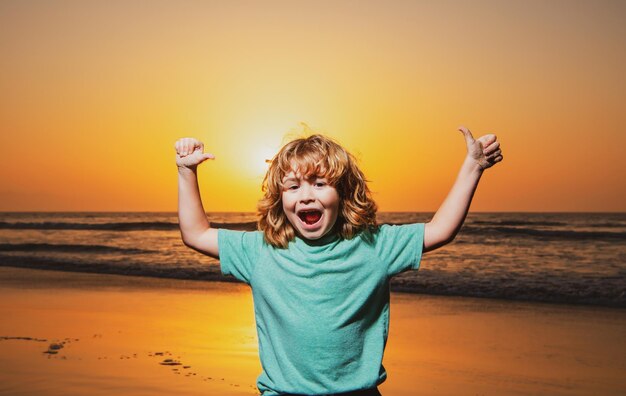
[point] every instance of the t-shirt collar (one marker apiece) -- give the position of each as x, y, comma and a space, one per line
329, 238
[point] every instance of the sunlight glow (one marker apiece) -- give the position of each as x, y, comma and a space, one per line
261, 158
391, 83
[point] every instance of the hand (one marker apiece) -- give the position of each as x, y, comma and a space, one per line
189, 153
485, 150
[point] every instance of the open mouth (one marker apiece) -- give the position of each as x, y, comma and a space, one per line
310, 217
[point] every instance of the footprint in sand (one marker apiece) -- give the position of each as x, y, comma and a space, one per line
23, 338
171, 362
54, 348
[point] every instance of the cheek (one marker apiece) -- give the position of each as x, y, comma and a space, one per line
334, 203
287, 203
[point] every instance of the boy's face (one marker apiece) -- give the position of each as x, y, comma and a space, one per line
311, 204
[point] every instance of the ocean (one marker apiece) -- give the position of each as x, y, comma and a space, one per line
573, 258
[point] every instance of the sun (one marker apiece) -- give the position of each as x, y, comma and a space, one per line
260, 159
258, 145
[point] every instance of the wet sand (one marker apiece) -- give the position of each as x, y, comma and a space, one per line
66, 333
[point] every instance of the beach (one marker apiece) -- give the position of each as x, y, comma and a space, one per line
68, 333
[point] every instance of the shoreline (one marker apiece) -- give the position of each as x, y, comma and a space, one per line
398, 285
112, 327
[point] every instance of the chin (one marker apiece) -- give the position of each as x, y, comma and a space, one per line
303, 232
313, 236
309, 234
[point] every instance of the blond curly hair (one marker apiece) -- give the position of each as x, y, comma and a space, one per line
320, 156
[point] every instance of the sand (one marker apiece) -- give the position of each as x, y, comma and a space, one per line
66, 333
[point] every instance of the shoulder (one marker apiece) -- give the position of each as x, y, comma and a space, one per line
391, 230
242, 239
388, 235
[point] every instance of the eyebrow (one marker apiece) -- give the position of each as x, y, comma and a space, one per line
297, 179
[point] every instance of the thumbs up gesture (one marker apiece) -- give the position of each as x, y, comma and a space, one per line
485, 150
190, 153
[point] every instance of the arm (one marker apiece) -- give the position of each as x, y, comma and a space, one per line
447, 221
195, 229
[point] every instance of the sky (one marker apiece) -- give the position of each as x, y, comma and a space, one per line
93, 96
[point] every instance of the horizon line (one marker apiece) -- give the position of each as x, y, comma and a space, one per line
251, 212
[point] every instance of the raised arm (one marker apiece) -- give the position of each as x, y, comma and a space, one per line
482, 153
195, 229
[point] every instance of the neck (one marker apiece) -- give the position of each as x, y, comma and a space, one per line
331, 236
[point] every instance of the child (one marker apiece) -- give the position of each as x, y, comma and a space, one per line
319, 267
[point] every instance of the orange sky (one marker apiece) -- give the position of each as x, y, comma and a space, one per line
94, 94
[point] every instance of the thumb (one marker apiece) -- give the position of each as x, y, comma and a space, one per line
469, 139
204, 157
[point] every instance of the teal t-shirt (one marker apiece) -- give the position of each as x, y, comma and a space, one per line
321, 307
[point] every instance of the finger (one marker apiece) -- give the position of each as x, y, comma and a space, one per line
180, 148
491, 148
468, 135
494, 154
195, 144
487, 140
204, 157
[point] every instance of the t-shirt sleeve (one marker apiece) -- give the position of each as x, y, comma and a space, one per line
400, 246
239, 252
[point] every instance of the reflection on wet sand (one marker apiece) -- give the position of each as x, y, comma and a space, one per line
74, 334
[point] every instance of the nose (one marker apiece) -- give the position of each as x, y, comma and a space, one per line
306, 193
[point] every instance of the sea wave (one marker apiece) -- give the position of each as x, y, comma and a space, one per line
499, 231
116, 266
552, 287
520, 223
121, 226
539, 223
67, 248
553, 234
471, 229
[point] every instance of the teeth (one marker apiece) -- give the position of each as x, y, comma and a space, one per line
305, 212
310, 216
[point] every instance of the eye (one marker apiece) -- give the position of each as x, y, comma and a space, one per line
292, 187
321, 183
